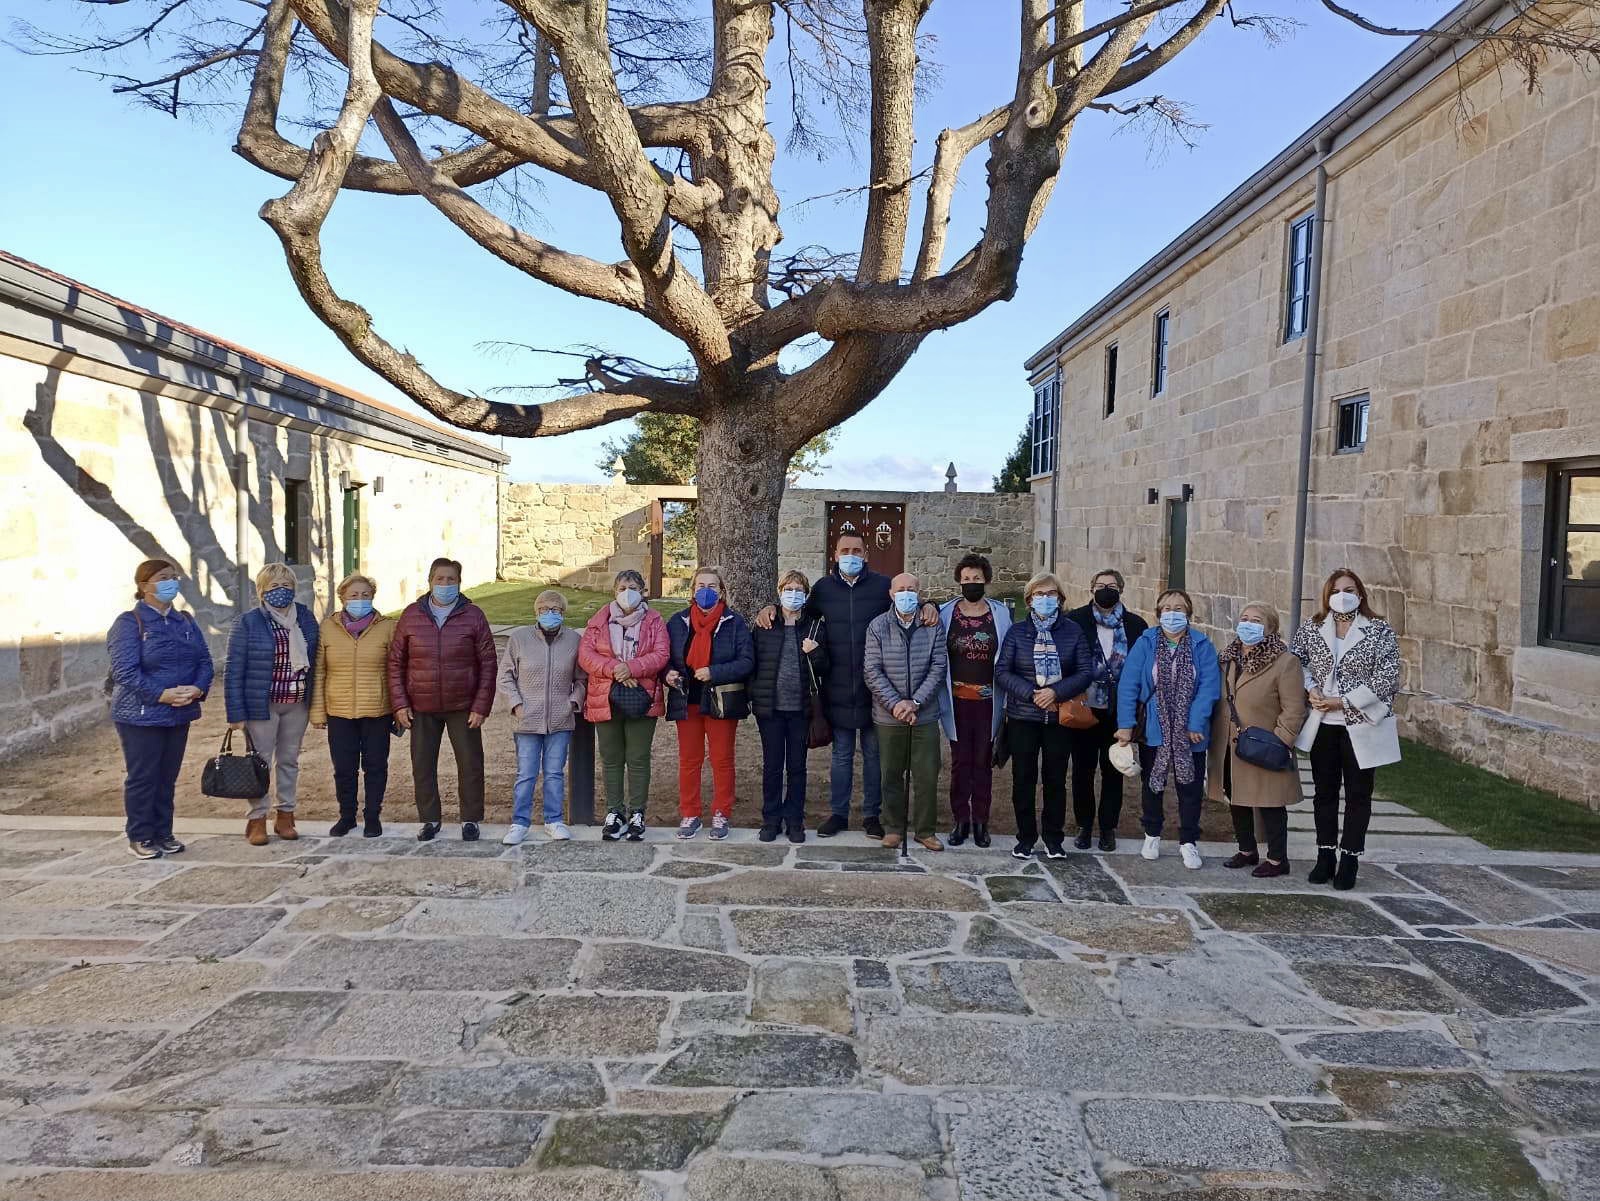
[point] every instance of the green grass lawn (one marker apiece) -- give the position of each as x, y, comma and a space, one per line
1499, 813
510, 602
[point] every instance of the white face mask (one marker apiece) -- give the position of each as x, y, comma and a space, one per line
1344, 602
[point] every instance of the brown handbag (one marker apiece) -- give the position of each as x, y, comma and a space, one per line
1076, 714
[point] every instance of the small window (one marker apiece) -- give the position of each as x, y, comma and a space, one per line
1298, 291
1158, 354
1572, 580
1352, 432
1111, 379
1046, 419
294, 498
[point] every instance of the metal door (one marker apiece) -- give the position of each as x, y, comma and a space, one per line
1177, 542
352, 530
882, 526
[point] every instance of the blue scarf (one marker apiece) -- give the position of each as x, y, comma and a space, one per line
1046, 658
1175, 688
1108, 671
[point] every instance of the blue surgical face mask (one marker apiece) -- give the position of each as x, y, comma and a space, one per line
1045, 606
550, 620
629, 598
445, 594
358, 607
793, 599
1174, 622
1250, 632
706, 598
278, 598
851, 565
906, 602
167, 591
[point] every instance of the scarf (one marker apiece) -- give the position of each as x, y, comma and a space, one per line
703, 623
1251, 659
624, 630
1046, 658
357, 626
299, 658
1110, 668
1175, 686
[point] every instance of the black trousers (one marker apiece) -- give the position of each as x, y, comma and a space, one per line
427, 732
1031, 742
1333, 762
783, 762
154, 755
1190, 796
1090, 749
1274, 820
359, 746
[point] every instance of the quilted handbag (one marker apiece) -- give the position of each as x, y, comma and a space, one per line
629, 702
233, 777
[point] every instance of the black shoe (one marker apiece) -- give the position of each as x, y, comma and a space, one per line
1345, 878
960, 834
469, 831
1323, 872
343, 826
1054, 850
1023, 850
144, 850
1108, 842
1082, 840
372, 828
636, 826
170, 845
429, 831
980, 835
768, 834
612, 830
797, 834
872, 828
834, 824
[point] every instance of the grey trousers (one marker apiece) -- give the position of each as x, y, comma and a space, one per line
278, 739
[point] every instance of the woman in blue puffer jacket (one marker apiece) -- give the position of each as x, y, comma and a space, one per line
160, 672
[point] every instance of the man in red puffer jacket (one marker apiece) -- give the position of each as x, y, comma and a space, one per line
441, 678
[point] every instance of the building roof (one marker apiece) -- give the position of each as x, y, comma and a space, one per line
147, 326
1396, 80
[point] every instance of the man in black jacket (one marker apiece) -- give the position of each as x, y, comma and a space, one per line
1111, 630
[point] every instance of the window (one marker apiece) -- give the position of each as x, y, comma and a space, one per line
1352, 431
1046, 418
1158, 354
1111, 379
1298, 292
294, 497
1572, 585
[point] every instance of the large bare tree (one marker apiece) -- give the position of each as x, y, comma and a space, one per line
584, 90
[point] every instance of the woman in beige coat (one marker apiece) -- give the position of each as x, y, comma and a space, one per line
1268, 689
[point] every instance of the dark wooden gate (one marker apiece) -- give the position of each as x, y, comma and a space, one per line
883, 527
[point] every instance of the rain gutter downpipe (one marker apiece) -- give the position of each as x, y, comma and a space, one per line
1308, 393
241, 497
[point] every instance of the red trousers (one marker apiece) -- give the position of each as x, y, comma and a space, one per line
694, 732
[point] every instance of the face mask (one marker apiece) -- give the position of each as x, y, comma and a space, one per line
166, 591
1045, 606
445, 594
1106, 596
973, 592
905, 602
706, 598
1174, 623
794, 599
549, 620
278, 598
1250, 632
358, 608
851, 565
1344, 602
629, 598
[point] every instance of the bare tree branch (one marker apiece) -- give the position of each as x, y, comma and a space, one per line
892, 43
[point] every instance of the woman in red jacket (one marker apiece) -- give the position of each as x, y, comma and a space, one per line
624, 650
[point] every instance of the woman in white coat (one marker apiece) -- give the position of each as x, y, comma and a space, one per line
1352, 671
974, 628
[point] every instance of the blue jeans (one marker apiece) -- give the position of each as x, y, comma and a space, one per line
536, 753
844, 761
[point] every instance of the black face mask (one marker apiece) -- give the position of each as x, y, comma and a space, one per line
973, 592
1107, 596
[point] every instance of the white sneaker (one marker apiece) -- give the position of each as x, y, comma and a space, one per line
515, 835
557, 832
1152, 847
1191, 855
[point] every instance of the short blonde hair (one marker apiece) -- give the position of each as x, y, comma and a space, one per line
271, 574
355, 577
794, 576
1044, 579
549, 597
1269, 615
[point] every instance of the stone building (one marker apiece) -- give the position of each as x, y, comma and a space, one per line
1438, 323
125, 435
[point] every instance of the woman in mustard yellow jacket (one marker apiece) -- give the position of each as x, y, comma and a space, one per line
350, 697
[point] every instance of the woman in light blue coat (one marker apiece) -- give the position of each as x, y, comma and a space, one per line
974, 630
1173, 674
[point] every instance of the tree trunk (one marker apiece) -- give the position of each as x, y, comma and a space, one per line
742, 470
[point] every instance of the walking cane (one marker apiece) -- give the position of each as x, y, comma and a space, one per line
905, 822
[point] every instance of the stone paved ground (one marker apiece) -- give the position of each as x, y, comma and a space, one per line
377, 1019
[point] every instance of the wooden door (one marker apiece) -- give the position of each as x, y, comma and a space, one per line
883, 527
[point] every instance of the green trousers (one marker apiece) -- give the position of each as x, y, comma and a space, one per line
917, 747
624, 742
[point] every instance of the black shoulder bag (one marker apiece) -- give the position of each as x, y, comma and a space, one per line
1259, 747
236, 777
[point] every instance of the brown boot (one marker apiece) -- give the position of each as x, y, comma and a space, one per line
283, 825
930, 843
891, 841
255, 831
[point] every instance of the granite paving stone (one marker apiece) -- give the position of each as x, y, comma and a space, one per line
960, 986
1187, 1134
21, 921
872, 973
1196, 991
1499, 982
133, 994
325, 1184
1584, 879
480, 963
737, 854
1059, 989
1018, 888
75, 892
1366, 986
487, 915
279, 1081
1575, 950
1418, 1165
220, 885
834, 1124
635, 1142
1565, 1101
519, 1085
379, 1025
702, 930
591, 906
643, 967
300, 1137
1386, 1049
1541, 1046
1085, 878
1293, 913
621, 858
836, 891
75, 950
467, 1140
800, 992
351, 915
1310, 1111
723, 1177
216, 933
20, 975
462, 879
990, 939
100, 1138
1424, 911
257, 1023
56, 1054
1479, 891
710, 1013
762, 1060
1020, 1146
1576, 1162
840, 933
1442, 1100
1319, 948
568, 1026
1120, 928
690, 869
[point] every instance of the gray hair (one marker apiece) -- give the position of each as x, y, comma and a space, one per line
628, 576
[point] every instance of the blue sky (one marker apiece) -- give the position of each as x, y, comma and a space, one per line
162, 213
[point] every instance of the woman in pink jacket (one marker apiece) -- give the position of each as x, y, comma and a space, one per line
624, 651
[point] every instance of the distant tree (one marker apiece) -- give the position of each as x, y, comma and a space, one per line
662, 448
1013, 475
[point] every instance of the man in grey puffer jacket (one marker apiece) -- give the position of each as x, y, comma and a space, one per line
905, 668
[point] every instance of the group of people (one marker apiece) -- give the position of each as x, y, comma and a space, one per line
858, 659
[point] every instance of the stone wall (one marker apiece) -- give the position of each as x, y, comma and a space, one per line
579, 535
1462, 293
